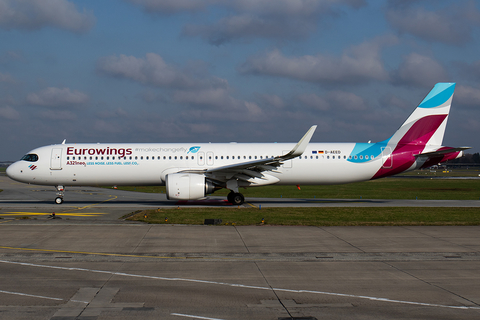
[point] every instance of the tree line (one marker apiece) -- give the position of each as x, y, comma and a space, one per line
467, 158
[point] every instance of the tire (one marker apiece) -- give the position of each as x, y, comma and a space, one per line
230, 197
238, 199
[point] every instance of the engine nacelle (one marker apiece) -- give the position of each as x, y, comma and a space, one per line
187, 186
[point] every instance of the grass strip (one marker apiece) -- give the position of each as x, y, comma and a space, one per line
387, 188
314, 216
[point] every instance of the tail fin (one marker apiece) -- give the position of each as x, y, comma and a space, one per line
426, 125
418, 142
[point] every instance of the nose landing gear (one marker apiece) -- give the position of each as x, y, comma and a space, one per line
59, 195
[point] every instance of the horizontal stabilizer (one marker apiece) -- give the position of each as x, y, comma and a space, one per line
442, 152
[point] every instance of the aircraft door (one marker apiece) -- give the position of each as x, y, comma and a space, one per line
387, 159
209, 158
56, 159
201, 158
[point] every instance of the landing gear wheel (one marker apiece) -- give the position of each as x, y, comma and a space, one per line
58, 200
235, 198
229, 197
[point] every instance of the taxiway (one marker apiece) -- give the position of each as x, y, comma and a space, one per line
92, 265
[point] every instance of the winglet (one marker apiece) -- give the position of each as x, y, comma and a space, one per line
301, 145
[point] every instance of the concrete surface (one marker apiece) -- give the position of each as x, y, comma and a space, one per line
91, 265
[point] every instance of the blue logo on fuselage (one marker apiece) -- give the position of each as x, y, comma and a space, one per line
193, 149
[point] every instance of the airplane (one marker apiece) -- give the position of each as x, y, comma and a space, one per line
191, 171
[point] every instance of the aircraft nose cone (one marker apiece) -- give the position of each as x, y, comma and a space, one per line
13, 171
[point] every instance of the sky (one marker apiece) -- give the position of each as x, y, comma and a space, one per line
231, 70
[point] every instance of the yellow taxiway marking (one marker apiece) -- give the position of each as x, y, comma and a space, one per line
94, 204
64, 213
80, 214
119, 254
251, 205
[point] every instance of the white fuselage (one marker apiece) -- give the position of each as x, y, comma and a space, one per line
147, 164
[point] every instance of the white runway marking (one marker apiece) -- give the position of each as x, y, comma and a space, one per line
30, 295
244, 286
193, 317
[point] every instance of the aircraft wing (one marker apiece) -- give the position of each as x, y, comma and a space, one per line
253, 169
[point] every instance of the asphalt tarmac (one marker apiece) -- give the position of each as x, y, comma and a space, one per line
89, 264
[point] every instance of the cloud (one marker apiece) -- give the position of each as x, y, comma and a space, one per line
469, 70
7, 78
283, 19
358, 64
37, 14
10, 56
216, 104
273, 100
452, 25
314, 101
250, 26
9, 113
154, 71
217, 98
346, 101
57, 97
419, 70
173, 6
467, 96
390, 100
63, 115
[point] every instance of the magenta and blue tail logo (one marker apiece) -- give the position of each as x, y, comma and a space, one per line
193, 149
425, 126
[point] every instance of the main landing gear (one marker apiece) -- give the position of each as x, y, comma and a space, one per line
60, 194
235, 198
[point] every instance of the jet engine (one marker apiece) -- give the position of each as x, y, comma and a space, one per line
187, 186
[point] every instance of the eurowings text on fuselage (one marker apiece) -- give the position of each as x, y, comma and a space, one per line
192, 171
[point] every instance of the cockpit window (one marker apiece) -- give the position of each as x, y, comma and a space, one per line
32, 157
